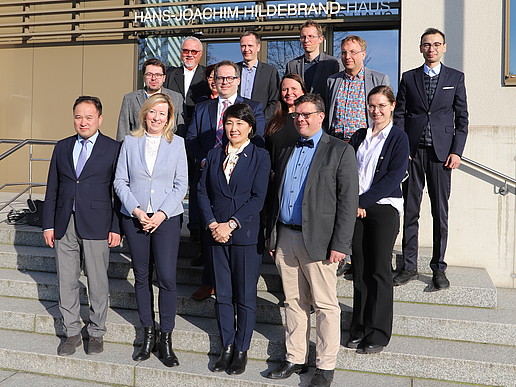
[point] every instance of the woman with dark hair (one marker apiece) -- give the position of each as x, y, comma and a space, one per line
231, 194
382, 153
280, 130
151, 181
210, 77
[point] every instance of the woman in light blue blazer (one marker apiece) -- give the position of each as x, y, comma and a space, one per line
151, 181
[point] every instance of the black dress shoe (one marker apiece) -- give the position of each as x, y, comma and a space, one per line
440, 281
371, 348
344, 268
405, 276
224, 359
322, 378
148, 345
238, 363
353, 343
165, 350
286, 369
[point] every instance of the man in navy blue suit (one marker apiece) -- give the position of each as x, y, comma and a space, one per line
80, 222
206, 132
431, 106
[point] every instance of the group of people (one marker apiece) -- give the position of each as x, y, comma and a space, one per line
309, 168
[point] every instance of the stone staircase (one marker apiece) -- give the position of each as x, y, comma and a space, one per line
466, 334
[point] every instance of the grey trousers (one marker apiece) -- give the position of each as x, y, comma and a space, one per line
68, 261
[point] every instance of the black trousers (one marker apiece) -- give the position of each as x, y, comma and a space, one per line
235, 273
425, 163
159, 248
373, 240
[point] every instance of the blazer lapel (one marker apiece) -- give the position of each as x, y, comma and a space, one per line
223, 183
320, 154
241, 167
69, 154
179, 80
257, 77
440, 83
420, 85
141, 149
140, 98
96, 152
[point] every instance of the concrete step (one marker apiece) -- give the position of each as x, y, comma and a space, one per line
16, 379
427, 358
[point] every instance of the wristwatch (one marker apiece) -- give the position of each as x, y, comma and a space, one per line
232, 224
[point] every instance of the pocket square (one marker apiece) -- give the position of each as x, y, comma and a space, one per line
448, 87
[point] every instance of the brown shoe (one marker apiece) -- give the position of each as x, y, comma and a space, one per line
203, 293
68, 346
95, 345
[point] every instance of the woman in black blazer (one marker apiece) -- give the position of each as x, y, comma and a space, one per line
382, 153
231, 194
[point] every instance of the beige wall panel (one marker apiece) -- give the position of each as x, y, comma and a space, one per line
58, 74
109, 73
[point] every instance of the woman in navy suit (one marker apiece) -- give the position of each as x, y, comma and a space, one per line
151, 181
231, 194
382, 153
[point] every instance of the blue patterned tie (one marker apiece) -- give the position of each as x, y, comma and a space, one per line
81, 161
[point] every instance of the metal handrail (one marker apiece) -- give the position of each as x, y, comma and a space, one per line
19, 145
504, 190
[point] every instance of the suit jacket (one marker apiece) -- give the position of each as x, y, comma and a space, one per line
242, 199
330, 198
132, 103
447, 114
265, 87
165, 186
371, 79
390, 169
327, 66
201, 134
92, 191
198, 87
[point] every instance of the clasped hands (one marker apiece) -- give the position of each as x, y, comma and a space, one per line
220, 232
152, 223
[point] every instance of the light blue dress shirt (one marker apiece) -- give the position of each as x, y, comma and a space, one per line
247, 84
294, 183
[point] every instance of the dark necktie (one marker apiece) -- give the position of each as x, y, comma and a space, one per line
301, 143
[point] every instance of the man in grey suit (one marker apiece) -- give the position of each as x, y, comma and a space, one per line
311, 216
347, 90
153, 71
258, 81
313, 66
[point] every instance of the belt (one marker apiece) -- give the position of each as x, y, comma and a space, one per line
294, 227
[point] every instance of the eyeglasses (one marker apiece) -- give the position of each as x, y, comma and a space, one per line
152, 75
380, 107
436, 45
193, 52
225, 79
351, 53
304, 116
308, 37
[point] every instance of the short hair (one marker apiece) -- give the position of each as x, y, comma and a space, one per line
312, 98
153, 100
194, 39
227, 63
384, 90
209, 70
432, 31
88, 99
312, 23
153, 62
241, 111
354, 38
252, 33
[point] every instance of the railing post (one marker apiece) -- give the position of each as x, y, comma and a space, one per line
30, 170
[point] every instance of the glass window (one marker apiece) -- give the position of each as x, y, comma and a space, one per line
510, 42
279, 52
216, 52
382, 51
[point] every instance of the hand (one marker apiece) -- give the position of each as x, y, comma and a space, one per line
452, 161
49, 237
213, 225
113, 239
155, 221
361, 213
222, 233
336, 256
142, 216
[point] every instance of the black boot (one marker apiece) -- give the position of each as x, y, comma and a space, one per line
224, 359
165, 350
238, 363
148, 345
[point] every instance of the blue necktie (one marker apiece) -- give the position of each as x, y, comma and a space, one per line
81, 161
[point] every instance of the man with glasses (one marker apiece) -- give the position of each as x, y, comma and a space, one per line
431, 106
313, 66
153, 71
189, 79
260, 81
310, 222
205, 132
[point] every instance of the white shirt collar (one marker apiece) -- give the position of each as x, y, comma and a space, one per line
432, 72
231, 99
